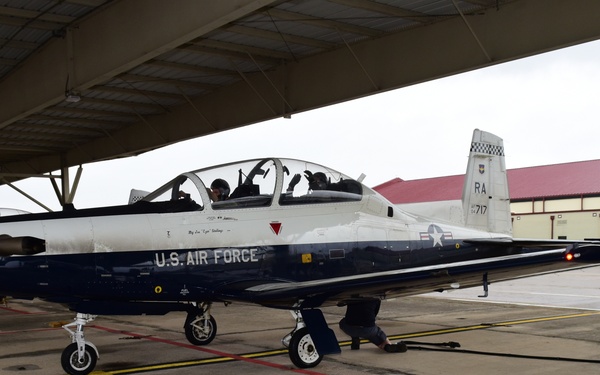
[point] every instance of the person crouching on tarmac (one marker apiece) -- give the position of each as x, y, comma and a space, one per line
359, 321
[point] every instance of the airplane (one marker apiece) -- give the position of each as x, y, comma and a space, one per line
280, 240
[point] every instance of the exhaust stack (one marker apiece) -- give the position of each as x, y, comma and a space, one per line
21, 245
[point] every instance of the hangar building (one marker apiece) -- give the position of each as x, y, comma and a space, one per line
560, 201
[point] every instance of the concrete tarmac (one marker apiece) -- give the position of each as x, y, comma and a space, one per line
550, 325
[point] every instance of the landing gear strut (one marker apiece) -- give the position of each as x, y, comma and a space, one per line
200, 327
301, 348
79, 358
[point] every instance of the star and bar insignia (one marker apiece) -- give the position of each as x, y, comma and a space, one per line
436, 234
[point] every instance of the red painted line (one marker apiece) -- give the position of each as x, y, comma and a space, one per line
17, 311
210, 351
27, 331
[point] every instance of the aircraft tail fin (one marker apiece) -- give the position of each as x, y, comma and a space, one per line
485, 200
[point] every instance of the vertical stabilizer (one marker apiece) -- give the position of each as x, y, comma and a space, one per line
486, 203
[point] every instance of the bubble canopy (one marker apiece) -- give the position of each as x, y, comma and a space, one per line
258, 183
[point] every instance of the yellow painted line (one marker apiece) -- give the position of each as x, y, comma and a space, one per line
199, 362
265, 353
558, 317
166, 366
271, 353
493, 325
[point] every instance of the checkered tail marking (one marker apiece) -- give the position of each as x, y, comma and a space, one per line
486, 148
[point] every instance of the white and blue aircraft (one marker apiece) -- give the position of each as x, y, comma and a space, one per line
279, 240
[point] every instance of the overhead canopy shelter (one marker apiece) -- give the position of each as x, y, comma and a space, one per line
89, 80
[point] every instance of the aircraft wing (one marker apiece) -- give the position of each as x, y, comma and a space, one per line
425, 279
532, 242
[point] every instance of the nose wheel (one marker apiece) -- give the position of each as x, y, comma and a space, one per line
73, 364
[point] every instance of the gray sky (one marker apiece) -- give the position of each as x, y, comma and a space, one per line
545, 107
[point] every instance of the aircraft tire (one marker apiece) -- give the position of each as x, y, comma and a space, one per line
70, 363
302, 350
196, 335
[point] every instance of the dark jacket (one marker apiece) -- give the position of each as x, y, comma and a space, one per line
362, 313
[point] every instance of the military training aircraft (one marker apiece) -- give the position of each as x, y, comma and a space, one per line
289, 235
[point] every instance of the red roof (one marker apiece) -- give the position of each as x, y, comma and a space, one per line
547, 181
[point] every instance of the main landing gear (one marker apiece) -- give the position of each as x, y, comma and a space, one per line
311, 340
79, 358
200, 327
301, 348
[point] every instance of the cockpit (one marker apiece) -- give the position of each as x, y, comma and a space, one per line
255, 183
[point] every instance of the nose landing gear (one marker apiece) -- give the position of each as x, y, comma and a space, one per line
79, 358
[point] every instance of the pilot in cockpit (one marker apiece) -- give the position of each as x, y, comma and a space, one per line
219, 190
316, 181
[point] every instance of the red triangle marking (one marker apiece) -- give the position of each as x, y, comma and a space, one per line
276, 227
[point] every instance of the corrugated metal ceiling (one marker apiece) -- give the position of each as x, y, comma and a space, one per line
286, 31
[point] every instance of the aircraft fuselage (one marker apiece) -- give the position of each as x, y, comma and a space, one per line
274, 248
203, 255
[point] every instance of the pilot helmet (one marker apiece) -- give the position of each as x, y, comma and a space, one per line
319, 181
222, 187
